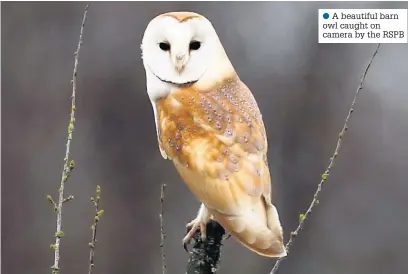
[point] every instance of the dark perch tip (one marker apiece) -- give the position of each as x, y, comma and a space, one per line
205, 256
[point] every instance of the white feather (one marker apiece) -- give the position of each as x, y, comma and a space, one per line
203, 66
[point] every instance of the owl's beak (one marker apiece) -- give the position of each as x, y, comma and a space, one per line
180, 62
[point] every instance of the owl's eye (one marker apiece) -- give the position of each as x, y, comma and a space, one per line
164, 46
195, 45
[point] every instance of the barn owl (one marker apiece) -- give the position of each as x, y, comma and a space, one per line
209, 125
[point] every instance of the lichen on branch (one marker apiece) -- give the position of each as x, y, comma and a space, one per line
205, 256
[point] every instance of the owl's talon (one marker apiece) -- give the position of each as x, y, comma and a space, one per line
192, 228
227, 237
185, 247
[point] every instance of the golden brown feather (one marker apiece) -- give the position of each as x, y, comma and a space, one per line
217, 141
182, 16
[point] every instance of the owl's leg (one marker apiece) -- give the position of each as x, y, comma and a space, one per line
199, 223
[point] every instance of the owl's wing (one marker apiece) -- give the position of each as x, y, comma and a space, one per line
218, 143
156, 122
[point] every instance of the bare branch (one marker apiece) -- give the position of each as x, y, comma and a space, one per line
98, 215
68, 166
162, 232
326, 173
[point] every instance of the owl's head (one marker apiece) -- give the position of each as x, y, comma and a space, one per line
183, 48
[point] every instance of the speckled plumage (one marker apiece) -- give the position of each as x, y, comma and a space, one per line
217, 141
209, 124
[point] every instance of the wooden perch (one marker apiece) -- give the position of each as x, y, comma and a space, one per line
205, 256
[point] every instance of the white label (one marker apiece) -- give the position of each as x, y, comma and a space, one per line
363, 26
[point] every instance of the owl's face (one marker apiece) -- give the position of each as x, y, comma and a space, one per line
180, 49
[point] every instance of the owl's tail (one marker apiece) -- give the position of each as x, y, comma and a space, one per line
261, 233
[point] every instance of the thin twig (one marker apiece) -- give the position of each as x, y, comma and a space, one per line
98, 214
68, 166
162, 232
325, 175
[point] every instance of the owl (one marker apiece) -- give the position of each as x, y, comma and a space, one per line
209, 125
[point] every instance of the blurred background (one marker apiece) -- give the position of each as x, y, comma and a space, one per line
303, 88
